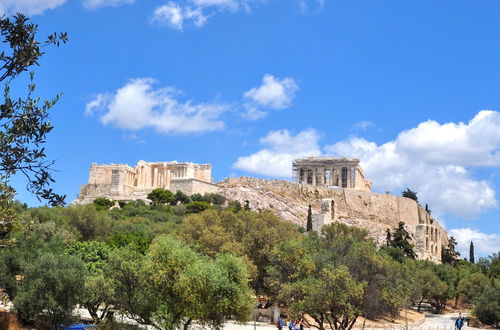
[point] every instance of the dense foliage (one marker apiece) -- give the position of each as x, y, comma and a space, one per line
201, 262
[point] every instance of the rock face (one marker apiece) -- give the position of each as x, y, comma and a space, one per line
372, 211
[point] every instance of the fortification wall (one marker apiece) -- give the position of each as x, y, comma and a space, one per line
192, 186
372, 211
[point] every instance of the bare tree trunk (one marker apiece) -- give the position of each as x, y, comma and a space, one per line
187, 324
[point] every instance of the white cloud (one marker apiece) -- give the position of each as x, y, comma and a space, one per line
484, 244
175, 16
222, 4
436, 161
253, 113
98, 103
93, 4
28, 7
178, 13
363, 125
138, 105
280, 149
305, 5
273, 93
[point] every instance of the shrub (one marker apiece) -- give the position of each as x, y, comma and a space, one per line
197, 207
161, 196
182, 198
197, 198
103, 203
487, 307
215, 199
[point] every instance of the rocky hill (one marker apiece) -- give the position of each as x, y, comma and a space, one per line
372, 211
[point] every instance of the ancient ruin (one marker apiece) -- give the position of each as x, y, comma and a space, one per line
123, 182
363, 209
335, 187
330, 172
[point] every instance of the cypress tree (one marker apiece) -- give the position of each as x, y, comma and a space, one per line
471, 252
309, 225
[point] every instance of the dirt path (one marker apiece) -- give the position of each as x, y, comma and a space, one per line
432, 322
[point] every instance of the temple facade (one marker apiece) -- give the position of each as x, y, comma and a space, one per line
123, 182
331, 172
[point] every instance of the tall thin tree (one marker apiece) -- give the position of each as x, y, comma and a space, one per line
471, 252
309, 225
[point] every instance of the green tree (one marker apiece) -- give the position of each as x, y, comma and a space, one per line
174, 286
86, 222
304, 273
132, 291
249, 235
487, 307
309, 225
98, 292
197, 198
181, 198
234, 206
471, 286
194, 288
136, 240
51, 286
332, 297
408, 193
161, 196
23, 120
431, 287
103, 203
448, 253
215, 199
401, 240
490, 265
197, 207
471, 252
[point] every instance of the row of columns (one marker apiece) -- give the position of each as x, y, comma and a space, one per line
158, 176
344, 177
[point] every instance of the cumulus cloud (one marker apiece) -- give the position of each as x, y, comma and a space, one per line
436, 160
178, 13
273, 93
93, 4
280, 148
28, 7
484, 244
139, 105
175, 16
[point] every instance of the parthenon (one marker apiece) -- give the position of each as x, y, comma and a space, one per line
123, 182
331, 172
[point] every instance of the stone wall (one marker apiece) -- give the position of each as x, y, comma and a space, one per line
372, 211
193, 186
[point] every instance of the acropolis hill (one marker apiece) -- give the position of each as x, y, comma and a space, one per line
336, 188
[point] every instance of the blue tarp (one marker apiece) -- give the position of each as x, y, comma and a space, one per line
76, 327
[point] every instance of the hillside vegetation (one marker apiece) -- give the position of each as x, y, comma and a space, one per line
202, 259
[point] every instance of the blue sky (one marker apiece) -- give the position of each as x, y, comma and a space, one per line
411, 88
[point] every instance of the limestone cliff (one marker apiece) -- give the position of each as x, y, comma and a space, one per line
372, 211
